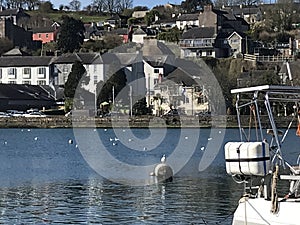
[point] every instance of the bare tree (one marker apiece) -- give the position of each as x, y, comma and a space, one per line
13, 4
75, 5
220, 3
111, 6
99, 5
125, 4
32, 4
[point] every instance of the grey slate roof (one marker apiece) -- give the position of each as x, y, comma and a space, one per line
24, 92
25, 61
69, 58
66, 58
43, 30
191, 68
89, 58
154, 49
179, 76
139, 31
188, 17
161, 21
199, 32
15, 52
127, 59
9, 12
238, 10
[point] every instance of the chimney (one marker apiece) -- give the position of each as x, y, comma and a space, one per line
208, 8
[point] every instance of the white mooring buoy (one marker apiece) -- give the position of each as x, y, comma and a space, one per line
162, 171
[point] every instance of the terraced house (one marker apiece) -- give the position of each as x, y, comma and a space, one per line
214, 35
26, 70
49, 70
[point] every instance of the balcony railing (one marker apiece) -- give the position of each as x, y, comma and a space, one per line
196, 45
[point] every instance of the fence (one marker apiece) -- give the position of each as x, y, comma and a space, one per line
268, 58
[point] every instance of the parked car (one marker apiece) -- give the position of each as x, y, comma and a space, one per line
15, 113
3, 114
203, 114
34, 114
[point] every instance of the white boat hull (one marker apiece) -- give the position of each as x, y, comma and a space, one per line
258, 211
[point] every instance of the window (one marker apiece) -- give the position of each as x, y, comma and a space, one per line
155, 81
95, 68
12, 82
0, 73
26, 82
95, 79
12, 73
41, 82
156, 70
234, 41
65, 69
40, 36
47, 35
26, 73
41, 72
209, 52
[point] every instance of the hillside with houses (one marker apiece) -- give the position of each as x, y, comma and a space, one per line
137, 61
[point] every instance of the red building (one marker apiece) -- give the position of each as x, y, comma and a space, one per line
45, 34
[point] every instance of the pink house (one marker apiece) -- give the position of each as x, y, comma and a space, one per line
45, 34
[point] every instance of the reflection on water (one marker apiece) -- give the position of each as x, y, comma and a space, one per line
45, 180
97, 201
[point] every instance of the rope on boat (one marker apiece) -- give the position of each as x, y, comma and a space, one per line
274, 195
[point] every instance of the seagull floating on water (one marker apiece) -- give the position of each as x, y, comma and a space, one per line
163, 159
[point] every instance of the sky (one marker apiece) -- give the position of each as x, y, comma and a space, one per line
149, 3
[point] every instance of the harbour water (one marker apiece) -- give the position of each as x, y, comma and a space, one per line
46, 180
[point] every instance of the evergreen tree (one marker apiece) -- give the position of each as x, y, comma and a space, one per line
192, 6
71, 35
117, 82
75, 77
140, 107
5, 45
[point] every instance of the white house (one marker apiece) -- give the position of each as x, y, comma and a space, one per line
91, 61
26, 70
237, 43
154, 73
138, 36
190, 20
140, 14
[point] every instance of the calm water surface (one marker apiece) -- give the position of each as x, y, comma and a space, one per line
45, 180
